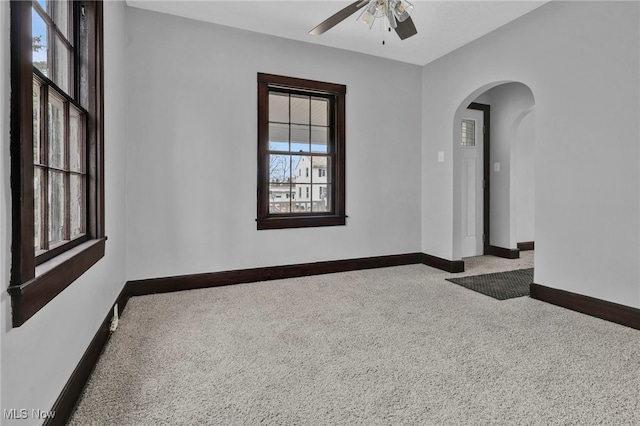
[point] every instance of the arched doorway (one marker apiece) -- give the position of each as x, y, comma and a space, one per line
493, 146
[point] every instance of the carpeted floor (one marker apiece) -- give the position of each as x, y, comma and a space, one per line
387, 346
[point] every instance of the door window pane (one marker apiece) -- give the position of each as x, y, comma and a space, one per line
468, 132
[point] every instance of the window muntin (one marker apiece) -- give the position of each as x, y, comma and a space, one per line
56, 119
301, 130
292, 134
59, 141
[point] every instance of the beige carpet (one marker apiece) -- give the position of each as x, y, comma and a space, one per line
387, 346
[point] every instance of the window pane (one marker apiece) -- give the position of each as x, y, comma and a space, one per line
56, 207
321, 198
300, 138
321, 169
62, 65
40, 47
56, 132
279, 198
319, 138
301, 165
38, 207
278, 107
76, 207
299, 109
61, 15
278, 137
303, 198
319, 111
468, 133
279, 168
76, 140
36, 123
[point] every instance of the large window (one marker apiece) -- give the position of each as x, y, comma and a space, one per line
301, 129
56, 148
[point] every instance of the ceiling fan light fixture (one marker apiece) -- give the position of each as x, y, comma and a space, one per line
402, 10
392, 19
394, 10
396, 13
367, 18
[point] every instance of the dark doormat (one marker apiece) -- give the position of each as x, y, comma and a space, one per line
501, 286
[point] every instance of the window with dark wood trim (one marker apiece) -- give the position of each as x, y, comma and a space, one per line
57, 152
301, 126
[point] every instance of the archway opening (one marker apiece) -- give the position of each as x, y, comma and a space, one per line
493, 176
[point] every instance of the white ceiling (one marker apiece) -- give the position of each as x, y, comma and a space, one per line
443, 26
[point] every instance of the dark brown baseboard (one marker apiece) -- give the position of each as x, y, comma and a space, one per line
504, 252
453, 266
216, 279
526, 246
68, 399
620, 314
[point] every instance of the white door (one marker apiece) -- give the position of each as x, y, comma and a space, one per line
471, 145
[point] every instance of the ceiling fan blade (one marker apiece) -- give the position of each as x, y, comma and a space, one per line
338, 17
406, 28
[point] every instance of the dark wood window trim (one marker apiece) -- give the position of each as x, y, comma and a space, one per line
337, 92
31, 286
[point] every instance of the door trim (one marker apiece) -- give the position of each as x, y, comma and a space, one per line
486, 164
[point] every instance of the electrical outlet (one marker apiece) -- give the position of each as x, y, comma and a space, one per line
114, 319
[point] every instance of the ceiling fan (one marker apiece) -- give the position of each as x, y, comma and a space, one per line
396, 11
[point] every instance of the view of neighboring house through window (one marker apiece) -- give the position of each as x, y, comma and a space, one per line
301, 130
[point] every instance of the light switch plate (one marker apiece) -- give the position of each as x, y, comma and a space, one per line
440, 156
496, 167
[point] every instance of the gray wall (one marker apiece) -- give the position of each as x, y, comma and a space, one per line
524, 179
39, 357
192, 159
580, 60
183, 150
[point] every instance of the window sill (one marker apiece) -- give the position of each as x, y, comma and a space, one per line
300, 222
51, 278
